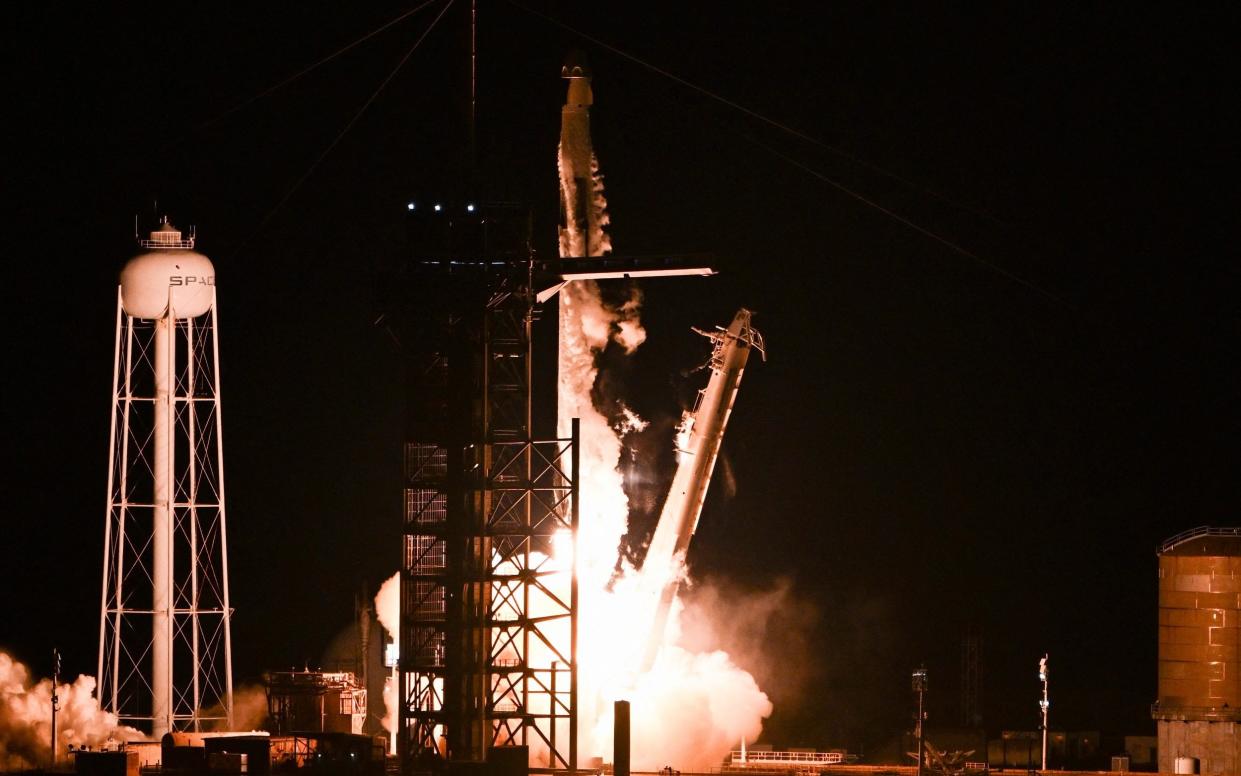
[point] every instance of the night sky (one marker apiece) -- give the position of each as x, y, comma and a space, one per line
936, 440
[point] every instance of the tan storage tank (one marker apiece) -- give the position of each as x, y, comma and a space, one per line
1199, 706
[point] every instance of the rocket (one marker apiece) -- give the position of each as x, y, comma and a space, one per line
582, 218
698, 442
582, 215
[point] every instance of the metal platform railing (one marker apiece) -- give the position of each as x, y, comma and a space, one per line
759, 758
1196, 533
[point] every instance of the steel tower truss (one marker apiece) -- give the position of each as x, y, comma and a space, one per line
488, 584
189, 502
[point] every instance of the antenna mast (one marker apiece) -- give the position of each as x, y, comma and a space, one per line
473, 81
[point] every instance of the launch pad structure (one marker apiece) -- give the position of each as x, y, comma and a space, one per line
489, 611
484, 503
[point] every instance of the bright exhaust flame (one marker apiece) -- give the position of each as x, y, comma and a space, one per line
26, 718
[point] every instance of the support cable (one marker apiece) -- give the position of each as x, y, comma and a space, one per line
304, 71
901, 219
319, 160
767, 119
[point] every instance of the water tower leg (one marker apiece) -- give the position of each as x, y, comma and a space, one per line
161, 544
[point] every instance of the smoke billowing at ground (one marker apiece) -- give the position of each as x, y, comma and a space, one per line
249, 710
26, 717
388, 610
769, 630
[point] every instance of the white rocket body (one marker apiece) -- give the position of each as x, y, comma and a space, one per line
698, 445
581, 213
582, 218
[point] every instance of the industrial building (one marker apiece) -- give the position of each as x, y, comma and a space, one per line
317, 701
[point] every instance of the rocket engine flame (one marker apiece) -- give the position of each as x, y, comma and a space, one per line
26, 718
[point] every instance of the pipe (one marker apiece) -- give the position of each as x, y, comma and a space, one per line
620, 739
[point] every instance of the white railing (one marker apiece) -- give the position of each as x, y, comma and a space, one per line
740, 759
177, 243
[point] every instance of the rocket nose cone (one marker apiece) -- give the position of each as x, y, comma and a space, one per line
575, 65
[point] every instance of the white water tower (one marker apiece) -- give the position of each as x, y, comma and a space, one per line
165, 643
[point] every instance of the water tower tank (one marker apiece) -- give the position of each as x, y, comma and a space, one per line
1199, 703
167, 270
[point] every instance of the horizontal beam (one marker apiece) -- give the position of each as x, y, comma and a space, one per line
575, 267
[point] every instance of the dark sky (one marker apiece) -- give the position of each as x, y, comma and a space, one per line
931, 444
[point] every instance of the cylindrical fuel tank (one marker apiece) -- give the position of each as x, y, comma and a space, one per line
1200, 622
1186, 765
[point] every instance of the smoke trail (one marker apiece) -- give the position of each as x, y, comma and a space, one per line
26, 718
600, 242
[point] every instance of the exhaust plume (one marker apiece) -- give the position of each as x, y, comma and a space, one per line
388, 610
26, 718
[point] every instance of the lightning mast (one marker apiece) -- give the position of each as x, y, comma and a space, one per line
165, 640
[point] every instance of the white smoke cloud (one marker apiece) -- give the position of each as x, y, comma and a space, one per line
600, 241
721, 614
26, 718
630, 422
689, 711
388, 610
388, 607
249, 710
249, 707
628, 332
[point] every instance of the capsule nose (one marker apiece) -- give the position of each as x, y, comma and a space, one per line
575, 65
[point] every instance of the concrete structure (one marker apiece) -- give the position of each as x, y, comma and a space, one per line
1199, 705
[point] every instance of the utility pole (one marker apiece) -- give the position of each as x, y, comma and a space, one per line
55, 698
920, 686
1044, 704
